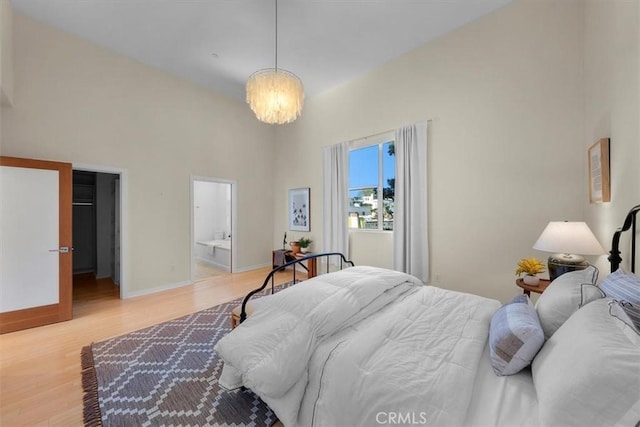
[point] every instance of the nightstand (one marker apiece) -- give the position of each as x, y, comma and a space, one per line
527, 289
311, 264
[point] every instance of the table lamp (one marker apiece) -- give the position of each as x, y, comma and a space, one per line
569, 240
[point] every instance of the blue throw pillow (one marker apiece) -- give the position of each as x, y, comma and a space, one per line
624, 287
515, 336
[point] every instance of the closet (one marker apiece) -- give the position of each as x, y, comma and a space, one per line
84, 222
95, 224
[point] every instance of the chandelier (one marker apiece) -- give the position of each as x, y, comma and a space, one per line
275, 95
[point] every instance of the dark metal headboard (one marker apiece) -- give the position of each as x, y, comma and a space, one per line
270, 277
614, 253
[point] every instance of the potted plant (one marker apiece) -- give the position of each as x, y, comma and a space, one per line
530, 267
304, 244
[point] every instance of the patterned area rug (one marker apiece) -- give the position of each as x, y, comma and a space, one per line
167, 374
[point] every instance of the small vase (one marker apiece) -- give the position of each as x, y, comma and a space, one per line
531, 280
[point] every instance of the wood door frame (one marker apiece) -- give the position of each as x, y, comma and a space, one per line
124, 184
36, 316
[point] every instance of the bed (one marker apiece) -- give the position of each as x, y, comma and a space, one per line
369, 346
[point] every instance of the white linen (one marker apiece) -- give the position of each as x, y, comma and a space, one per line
588, 372
502, 401
400, 359
415, 360
271, 349
562, 298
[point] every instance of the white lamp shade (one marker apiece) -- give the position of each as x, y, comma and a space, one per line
275, 95
570, 238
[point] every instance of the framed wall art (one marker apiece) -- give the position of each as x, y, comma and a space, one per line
599, 173
299, 212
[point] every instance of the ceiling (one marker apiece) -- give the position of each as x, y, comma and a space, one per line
219, 43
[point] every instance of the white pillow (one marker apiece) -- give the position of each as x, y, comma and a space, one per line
589, 293
588, 372
619, 310
515, 336
563, 297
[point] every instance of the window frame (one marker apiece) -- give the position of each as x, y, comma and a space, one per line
379, 140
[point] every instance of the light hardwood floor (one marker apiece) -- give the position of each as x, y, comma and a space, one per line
40, 367
204, 271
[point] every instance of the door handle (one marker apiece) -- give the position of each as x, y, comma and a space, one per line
62, 250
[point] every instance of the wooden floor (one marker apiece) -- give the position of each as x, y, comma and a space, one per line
87, 288
40, 367
203, 270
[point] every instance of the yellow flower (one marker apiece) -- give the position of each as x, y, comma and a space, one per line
529, 266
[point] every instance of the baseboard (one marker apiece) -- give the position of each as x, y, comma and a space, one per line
166, 287
251, 267
213, 264
156, 289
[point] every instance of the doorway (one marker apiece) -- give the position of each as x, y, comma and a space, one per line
212, 227
98, 230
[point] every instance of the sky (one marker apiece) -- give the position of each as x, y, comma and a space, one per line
363, 166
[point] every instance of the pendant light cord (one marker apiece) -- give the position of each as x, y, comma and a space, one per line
276, 36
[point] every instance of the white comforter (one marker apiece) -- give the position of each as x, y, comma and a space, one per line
363, 346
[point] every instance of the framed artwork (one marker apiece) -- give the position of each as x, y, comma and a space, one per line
299, 218
599, 182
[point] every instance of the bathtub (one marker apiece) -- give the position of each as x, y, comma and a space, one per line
222, 244
215, 252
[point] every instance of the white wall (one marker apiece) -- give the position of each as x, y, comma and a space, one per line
506, 147
6, 52
516, 96
6, 58
371, 248
612, 70
212, 207
76, 102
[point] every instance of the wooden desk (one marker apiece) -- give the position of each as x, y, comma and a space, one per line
311, 264
527, 289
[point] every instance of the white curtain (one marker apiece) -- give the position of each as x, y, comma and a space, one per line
335, 208
410, 238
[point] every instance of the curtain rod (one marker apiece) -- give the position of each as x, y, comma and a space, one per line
435, 119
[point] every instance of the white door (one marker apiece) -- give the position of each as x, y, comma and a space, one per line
35, 240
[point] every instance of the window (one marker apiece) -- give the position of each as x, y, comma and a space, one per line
372, 173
